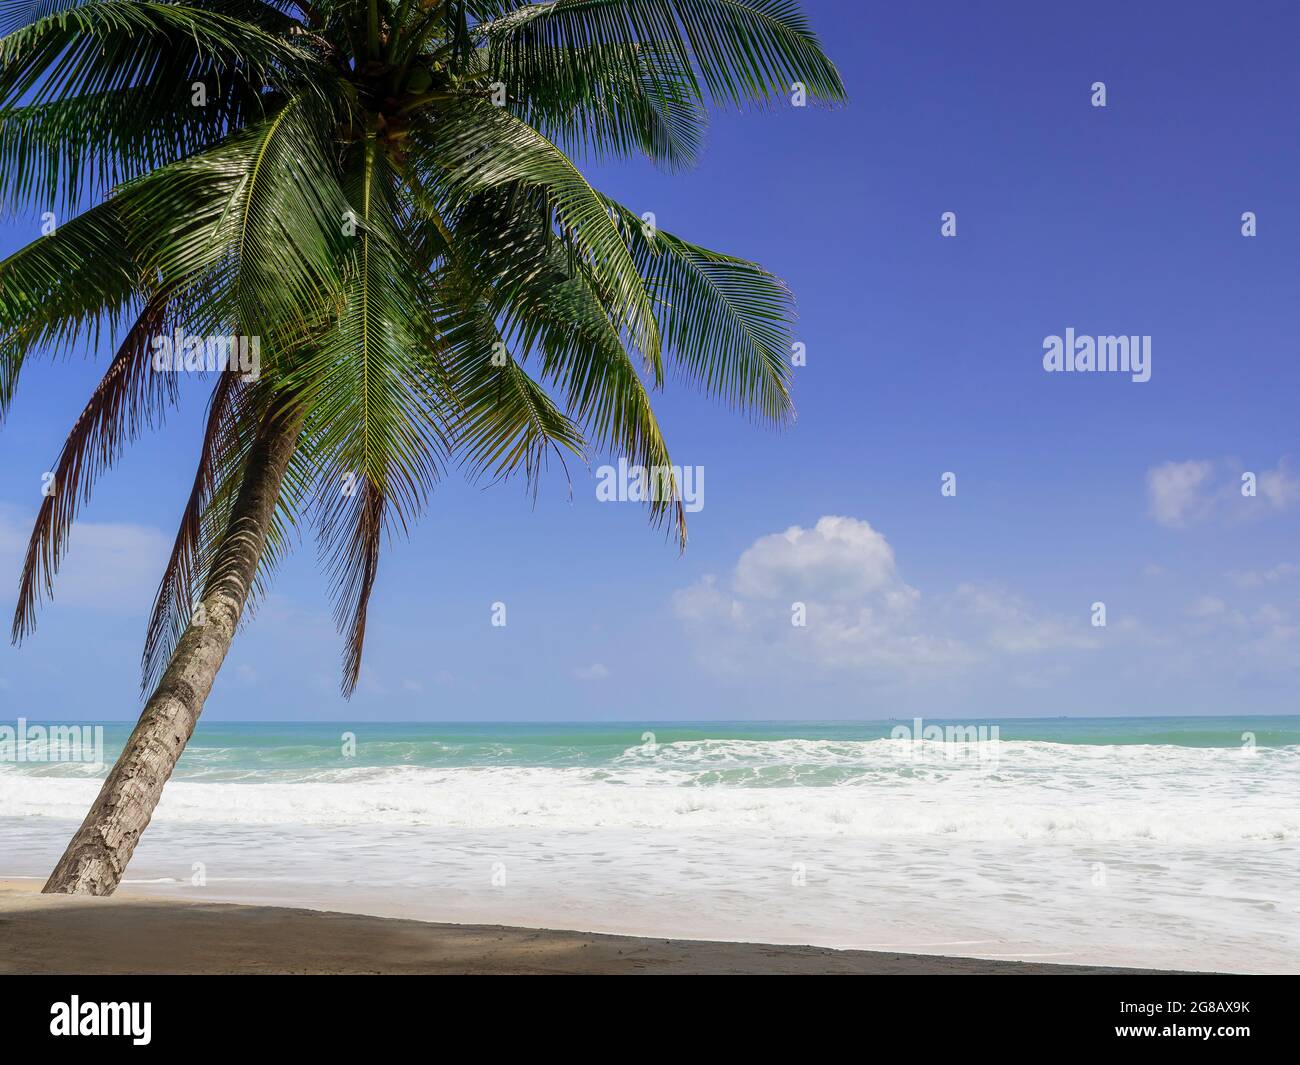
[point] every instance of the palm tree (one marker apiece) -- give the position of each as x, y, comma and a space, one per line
379, 196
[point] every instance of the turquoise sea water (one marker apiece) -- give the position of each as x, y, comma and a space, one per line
245, 750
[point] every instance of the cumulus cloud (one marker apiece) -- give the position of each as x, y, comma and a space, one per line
839, 558
831, 598
1183, 493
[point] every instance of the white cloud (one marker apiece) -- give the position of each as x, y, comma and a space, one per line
595, 671
839, 558
110, 567
1269, 615
1280, 487
860, 616
1178, 492
1010, 625
839, 575
1258, 578
1182, 493
1210, 614
1207, 606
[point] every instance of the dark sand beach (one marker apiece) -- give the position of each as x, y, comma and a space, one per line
43, 934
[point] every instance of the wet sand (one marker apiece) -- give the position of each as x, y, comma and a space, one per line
126, 934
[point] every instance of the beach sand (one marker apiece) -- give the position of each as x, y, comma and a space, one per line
126, 934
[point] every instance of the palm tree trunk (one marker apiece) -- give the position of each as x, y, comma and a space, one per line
97, 856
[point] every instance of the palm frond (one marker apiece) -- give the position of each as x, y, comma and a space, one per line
740, 51
645, 102
501, 420
174, 602
505, 422
354, 528
127, 396
374, 430
64, 288
104, 45
726, 322
475, 147
549, 306
55, 154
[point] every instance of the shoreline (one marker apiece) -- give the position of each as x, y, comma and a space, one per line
139, 934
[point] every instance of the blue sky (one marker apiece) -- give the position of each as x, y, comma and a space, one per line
923, 357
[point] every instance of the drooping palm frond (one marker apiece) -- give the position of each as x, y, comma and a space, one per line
739, 51
646, 101
368, 381
63, 289
548, 305
234, 422
127, 396
727, 321
53, 153
174, 603
247, 225
353, 528
111, 89
508, 421
476, 147
96, 46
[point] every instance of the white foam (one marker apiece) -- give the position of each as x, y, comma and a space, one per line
870, 790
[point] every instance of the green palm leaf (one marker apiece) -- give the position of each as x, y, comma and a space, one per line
740, 51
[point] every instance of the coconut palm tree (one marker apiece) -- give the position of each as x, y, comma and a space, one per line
380, 197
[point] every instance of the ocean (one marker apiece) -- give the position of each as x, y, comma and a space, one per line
1166, 842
